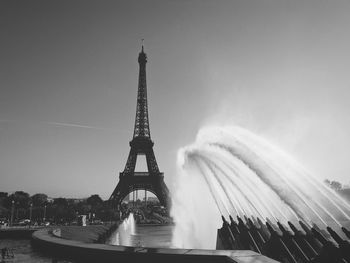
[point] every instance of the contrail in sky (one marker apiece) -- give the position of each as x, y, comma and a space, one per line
75, 125
63, 124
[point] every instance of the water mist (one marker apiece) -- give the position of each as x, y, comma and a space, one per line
231, 171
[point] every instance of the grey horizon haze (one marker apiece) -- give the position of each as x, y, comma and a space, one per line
69, 74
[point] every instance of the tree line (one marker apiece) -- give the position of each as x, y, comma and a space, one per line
38, 207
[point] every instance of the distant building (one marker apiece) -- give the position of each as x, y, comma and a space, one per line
76, 200
152, 199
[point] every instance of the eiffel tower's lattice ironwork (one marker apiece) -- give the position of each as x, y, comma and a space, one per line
141, 144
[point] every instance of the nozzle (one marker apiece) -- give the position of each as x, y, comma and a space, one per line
255, 221
223, 219
231, 220
269, 221
271, 230
250, 222
294, 229
305, 227
240, 221
319, 236
346, 232
281, 226
334, 235
245, 218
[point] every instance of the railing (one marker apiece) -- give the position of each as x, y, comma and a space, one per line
141, 173
19, 227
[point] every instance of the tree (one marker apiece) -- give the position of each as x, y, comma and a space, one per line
3, 212
3, 195
62, 211
83, 208
94, 200
39, 199
3, 198
22, 200
333, 184
336, 185
62, 202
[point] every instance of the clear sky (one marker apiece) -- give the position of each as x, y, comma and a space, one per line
68, 84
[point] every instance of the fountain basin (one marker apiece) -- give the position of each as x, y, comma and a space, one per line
20, 232
59, 247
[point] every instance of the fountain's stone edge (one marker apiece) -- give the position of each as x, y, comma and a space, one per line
17, 233
57, 247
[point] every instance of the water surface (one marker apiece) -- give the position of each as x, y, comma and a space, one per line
24, 252
146, 236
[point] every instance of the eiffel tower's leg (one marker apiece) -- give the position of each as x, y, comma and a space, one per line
131, 162
121, 190
151, 162
162, 192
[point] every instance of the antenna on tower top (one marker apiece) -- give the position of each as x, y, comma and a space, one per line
142, 41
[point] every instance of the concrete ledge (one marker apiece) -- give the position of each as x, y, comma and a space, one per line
92, 252
86, 234
17, 233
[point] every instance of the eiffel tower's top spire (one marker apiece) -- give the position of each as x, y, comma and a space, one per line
142, 54
141, 128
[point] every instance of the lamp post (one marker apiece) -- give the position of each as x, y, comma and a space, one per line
30, 214
17, 211
145, 198
137, 196
44, 218
12, 211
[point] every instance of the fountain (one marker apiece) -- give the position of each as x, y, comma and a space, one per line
124, 232
231, 172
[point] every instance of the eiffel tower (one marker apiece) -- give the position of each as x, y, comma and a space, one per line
141, 144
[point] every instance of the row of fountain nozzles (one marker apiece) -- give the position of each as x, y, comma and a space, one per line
276, 241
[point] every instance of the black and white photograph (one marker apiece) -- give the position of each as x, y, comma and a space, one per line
185, 131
